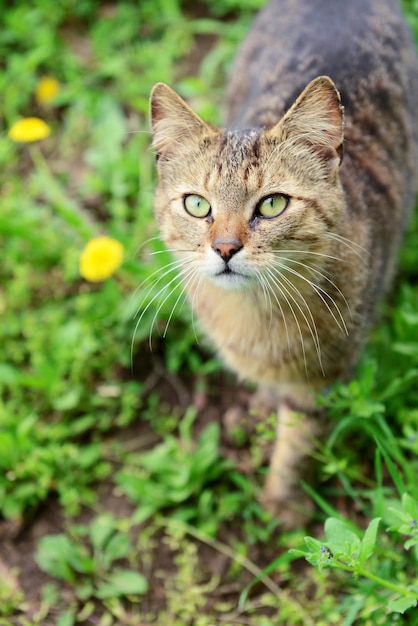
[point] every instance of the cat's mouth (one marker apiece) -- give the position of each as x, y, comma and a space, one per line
230, 279
227, 271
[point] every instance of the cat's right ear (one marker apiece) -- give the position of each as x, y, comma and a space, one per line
316, 119
173, 122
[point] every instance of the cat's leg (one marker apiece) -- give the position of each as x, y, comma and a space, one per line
290, 463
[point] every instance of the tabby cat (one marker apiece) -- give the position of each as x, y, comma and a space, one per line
286, 244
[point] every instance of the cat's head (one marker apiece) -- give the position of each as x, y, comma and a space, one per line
229, 201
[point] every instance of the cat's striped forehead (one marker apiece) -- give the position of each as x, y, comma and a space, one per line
238, 147
235, 163
241, 142
236, 166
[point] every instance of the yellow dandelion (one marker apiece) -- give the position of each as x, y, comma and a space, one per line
46, 89
100, 258
29, 129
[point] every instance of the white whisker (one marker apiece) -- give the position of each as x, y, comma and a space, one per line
312, 328
161, 303
139, 132
351, 245
280, 287
169, 267
194, 299
315, 270
169, 250
271, 291
266, 293
191, 273
321, 293
311, 252
315, 336
159, 294
144, 243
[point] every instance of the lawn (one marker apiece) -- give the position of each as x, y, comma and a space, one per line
126, 498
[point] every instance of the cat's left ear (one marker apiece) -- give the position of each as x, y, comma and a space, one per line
316, 118
173, 122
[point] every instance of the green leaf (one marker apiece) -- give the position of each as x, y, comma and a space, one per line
400, 605
69, 400
410, 505
411, 543
394, 472
369, 541
84, 589
406, 519
123, 583
67, 618
298, 553
118, 547
101, 529
9, 375
312, 544
82, 563
340, 539
316, 553
9, 452
53, 556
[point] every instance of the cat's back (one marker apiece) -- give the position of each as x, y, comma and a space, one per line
363, 45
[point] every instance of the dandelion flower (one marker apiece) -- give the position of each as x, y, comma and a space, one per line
100, 258
29, 129
46, 89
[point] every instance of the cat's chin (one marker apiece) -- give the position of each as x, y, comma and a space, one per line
231, 281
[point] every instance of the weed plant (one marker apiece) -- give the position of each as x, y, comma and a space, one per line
78, 382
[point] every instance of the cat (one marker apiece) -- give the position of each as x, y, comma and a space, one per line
287, 221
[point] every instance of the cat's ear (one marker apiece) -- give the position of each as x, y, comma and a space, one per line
173, 122
316, 118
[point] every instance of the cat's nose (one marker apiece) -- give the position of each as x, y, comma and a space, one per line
226, 249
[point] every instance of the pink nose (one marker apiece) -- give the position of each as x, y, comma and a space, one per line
226, 249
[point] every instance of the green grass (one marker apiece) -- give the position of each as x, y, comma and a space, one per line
87, 411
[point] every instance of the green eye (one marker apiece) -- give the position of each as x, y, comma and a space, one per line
272, 206
196, 205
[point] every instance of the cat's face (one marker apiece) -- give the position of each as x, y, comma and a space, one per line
235, 206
